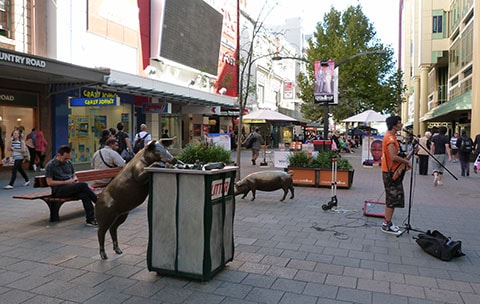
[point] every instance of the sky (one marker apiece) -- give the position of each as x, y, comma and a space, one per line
382, 13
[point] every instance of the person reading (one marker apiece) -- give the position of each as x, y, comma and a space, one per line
60, 176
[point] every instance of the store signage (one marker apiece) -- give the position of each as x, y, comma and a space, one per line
5, 97
95, 93
219, 188
97, 102
18, 98
254, 121
23, 60
149, 108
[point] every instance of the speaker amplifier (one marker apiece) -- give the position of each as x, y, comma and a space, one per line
376, 209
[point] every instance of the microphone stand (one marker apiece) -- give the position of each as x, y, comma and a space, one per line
407, 227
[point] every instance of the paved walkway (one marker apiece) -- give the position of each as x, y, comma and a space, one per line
290, 252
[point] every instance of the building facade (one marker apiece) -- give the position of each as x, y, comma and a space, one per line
440, 60
74, 68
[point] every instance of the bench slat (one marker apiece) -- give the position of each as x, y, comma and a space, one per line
83, 176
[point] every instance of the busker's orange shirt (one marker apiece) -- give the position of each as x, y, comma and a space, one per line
387, 165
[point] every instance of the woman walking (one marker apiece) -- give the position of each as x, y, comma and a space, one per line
18, 148
40, 148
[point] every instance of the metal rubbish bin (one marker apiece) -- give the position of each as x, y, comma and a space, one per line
190, 217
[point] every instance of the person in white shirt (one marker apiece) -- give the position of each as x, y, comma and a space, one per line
107, 157
453, 146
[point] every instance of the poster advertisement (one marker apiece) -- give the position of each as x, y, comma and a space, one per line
126, 123
372, 150
220, 140
99, 124
78, 128
81, 153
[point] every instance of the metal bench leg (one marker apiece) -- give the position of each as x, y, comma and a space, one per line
54, 211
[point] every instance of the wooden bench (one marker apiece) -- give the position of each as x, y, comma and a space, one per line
54, 203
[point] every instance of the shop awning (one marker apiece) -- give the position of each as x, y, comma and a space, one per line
450, 110
143, 86
30, 68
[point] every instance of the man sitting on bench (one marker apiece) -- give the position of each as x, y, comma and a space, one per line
60, 176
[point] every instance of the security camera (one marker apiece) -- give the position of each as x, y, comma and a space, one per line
150, 70
222, 91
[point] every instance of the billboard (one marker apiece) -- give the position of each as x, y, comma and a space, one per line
201, 34
325, 88
191, 34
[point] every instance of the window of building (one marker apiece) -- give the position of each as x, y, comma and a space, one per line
86, 124
260, 93
5, 18
437, 24
277, 98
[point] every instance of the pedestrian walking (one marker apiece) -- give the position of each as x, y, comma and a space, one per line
465, 149
440, 149
20, 154
40, 149
424, 143
30, 141
254, 141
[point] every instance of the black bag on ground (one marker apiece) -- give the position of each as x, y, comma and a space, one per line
440, 246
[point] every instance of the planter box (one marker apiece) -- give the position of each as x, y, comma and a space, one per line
303, 176
344, 178
321, 177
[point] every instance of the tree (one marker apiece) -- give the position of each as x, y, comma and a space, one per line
251, 34
367, 82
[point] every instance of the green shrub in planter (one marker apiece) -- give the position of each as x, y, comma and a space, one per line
322, 160
300, 160
204, 153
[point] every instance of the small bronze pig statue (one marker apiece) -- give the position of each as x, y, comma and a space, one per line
270, 180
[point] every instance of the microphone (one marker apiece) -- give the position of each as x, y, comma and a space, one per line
408, 132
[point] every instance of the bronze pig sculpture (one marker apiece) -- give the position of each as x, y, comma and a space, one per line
270, 180
126, 191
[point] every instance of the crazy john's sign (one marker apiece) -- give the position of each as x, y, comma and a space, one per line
99, 102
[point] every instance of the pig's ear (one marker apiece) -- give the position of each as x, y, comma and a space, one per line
151, 145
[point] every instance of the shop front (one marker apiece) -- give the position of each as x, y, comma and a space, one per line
17, 111
28, 84
91, 113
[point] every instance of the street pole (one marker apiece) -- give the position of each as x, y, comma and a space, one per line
325, 104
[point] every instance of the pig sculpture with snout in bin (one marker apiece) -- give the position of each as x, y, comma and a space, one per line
128, 190
269, 180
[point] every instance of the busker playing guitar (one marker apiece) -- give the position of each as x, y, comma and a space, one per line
394, 193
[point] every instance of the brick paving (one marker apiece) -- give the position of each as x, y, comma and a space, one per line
285, 252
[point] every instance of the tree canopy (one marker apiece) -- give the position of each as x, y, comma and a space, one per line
365, 82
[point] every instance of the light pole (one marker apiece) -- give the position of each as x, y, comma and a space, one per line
337, 64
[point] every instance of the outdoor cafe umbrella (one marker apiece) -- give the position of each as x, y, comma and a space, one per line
367, 117
268, 115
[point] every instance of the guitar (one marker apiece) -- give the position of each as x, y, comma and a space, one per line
402, 168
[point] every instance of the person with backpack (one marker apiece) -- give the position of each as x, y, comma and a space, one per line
124, 144
141, 138
465, 148
254, 141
